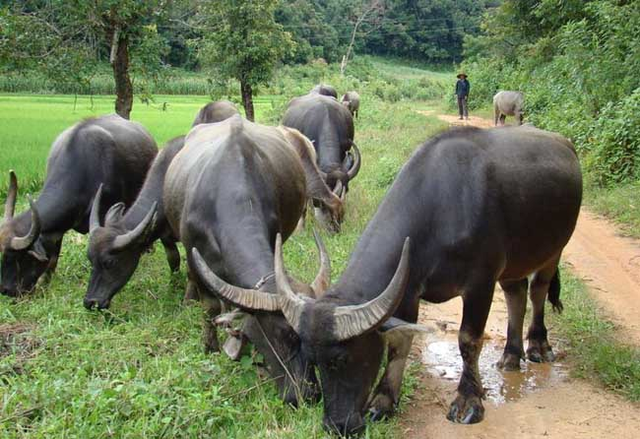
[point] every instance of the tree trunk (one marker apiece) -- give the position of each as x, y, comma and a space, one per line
120, 63
247, 99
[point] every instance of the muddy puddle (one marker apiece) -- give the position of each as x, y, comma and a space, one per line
442, 359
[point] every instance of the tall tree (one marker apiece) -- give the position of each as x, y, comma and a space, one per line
369, 11
61, 35
244, 43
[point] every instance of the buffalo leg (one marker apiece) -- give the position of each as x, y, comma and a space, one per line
173, 255
503, 119
53, 262
212, 309
515, 293
467, 408
539, 350
496, 115
191, 292
387, 394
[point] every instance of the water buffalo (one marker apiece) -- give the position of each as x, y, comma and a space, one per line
215, 112
232, 188
508, 103
351, 100
115, 249
108, 150
329, 125
325, 90
476, 207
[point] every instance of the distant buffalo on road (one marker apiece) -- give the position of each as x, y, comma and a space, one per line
508, 103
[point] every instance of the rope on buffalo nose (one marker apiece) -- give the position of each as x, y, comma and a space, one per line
282, 363
264, 279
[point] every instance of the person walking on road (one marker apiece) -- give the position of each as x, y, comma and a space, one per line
462, 92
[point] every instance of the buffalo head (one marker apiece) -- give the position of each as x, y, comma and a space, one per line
268, 329
114, 251
331, 216
24, 250
345, 341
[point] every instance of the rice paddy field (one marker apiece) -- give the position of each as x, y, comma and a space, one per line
30, 123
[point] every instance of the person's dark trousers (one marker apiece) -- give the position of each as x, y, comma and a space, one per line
462, 107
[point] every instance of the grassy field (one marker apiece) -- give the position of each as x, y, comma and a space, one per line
139, 370
30, 124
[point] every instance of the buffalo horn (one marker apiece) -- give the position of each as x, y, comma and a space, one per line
10, 204
353, 320
323, 279
338, 189
24, 242
94, 217
244, 298
291, 304
123, 241
357, 160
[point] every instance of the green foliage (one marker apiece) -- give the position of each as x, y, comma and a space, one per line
430, 30
577, 64
614, 143
247, 43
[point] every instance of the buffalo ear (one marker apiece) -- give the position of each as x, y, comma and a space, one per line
395, 330
114, 214
38, 252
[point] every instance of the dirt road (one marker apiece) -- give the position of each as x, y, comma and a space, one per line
541, 400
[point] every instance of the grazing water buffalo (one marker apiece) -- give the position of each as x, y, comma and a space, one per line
351, 100
227, 194
115, 249
325, 90
329, 125
108, 150
215, 112
476, 207
508, 103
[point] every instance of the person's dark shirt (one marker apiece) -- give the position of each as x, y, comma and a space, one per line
462, 87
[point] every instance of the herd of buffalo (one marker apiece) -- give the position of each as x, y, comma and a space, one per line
470, 208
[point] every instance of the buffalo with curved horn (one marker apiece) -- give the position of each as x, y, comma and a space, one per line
108, 150
232, 188
115, 247
329, 126
479, 207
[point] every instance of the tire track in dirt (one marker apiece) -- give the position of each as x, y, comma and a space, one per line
541, 400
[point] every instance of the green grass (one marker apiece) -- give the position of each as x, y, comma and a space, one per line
139, 370
620, 204
594, 347
408, 70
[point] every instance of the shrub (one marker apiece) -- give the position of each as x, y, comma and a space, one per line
614, 144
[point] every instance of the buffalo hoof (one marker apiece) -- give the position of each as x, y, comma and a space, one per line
466, 410
540, 352
382, 407
509, 362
